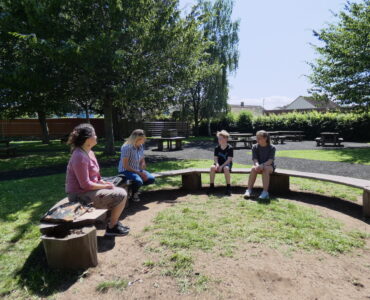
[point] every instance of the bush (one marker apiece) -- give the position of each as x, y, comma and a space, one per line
352, 126
244, 122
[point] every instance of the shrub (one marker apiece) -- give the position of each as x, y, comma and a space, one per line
352, 126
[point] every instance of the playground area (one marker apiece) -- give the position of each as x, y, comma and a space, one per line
192, 246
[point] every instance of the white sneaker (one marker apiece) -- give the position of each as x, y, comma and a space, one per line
247, 194
264, 195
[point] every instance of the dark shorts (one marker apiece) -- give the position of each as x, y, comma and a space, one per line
228, 165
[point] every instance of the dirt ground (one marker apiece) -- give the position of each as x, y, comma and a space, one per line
255, 271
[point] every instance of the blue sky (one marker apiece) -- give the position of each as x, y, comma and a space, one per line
274, 47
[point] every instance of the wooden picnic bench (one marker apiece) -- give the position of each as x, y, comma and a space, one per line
278, 138
292, 135
328, 138
279, 182
160, 140
240, 137
7, 148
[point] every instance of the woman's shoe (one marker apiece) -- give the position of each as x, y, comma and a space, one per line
117, 230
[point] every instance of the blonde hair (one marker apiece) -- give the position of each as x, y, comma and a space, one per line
264, 134
223, 133
135, 135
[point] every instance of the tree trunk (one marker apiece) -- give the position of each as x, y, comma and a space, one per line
44, 127
196, 125
209, 127
87, 114
108, 126
116, 124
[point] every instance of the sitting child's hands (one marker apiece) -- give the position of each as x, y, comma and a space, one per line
219, 169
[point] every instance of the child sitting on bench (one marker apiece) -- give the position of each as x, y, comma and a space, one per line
132, 163
223, 158
263, 155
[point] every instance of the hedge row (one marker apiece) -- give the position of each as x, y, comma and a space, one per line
352, 126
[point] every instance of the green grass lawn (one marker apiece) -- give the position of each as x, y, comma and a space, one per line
33, 154
353, 156
23, 269
221, 226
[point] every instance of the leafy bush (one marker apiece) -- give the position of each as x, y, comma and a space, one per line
352, 126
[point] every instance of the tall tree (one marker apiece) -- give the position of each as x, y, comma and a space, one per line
342, 70
30, 77
208, 96
134, 55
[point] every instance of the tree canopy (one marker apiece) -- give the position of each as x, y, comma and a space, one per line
342, 70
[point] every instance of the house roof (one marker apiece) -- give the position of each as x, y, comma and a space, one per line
314, 102
320, 104
246, 106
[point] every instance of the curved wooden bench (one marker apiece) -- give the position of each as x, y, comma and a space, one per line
279, 183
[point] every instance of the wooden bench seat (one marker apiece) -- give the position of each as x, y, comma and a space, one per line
279, 183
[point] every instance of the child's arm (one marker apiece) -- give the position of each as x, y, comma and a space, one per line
143, 163
215, 159
271, 159
267, 163
229, 160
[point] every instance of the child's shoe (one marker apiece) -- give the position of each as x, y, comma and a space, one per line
211, 189
248, 194
264, 195
228, 191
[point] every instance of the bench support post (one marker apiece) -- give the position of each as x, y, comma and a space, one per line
192, 181
160, 145
366, 203
279, 184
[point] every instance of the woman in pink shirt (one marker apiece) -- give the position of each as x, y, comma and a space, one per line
84, 183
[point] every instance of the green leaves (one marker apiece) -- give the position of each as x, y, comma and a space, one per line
342, 69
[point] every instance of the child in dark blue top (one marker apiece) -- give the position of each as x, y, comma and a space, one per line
223, 161
263, 155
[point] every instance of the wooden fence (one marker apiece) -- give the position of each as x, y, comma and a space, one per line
60, 127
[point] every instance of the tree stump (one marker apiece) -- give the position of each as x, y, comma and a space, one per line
77, 250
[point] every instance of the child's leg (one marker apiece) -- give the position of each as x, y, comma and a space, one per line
135, 179
150, 179
212, 174
267, 171
227, 175
252, 178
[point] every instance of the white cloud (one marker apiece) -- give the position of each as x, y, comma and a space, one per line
270, 102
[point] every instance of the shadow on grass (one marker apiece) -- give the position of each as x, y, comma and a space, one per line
40, 280
354, 155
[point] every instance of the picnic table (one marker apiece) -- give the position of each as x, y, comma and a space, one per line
242, 137
160, 140
329, 138
9, 150
293, 135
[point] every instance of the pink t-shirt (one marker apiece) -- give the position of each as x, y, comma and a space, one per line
82, 172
